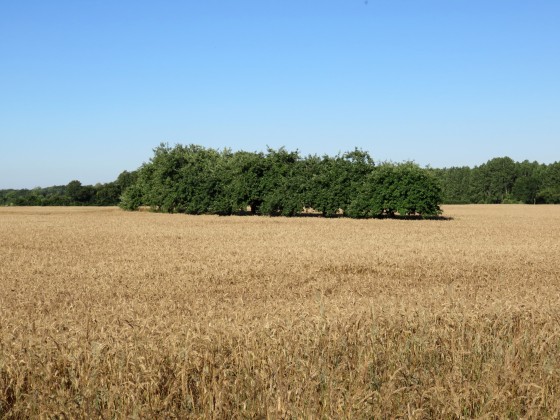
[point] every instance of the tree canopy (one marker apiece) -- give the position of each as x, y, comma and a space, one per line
198, 180
501, 180
72, 194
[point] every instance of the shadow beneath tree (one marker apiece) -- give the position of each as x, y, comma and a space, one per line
316, 215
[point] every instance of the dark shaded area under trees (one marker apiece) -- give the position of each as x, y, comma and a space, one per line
197, 180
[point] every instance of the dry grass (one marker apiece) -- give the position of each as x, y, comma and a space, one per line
111, 314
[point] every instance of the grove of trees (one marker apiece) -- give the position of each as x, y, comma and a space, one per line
73, 194
196, 180
501, 180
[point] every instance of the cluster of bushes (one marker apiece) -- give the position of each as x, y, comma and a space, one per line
501, 180
73, 194
197, 180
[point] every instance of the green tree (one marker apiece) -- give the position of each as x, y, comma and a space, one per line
528, 182
493, 181
126, 179
132, 198
283, 192
80, 194
526, 189
550, 188
455, 183
107, 194
334, 181
405, 188
182, 179
246, 172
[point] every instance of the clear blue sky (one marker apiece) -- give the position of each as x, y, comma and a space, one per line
88, 88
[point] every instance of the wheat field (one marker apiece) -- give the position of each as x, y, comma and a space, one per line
110, 314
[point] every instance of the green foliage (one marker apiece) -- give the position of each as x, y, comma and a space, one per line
183, 179
125, 180
493, 181
197, 180
80, 194
246, 188
526, 189
334, 181
550, 195
550, 192
406, 189
455, 183
131, 198
329, 186
106, 194
282, 188
72, 194
192, 179
501, 180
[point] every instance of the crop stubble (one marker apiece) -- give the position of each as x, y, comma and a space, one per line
105, 313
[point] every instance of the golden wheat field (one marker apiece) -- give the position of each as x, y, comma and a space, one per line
110, 314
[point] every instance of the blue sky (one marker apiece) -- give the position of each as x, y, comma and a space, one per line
88, 88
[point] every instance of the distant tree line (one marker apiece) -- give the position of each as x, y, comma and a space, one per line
197, 180
73, 194
501, 180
